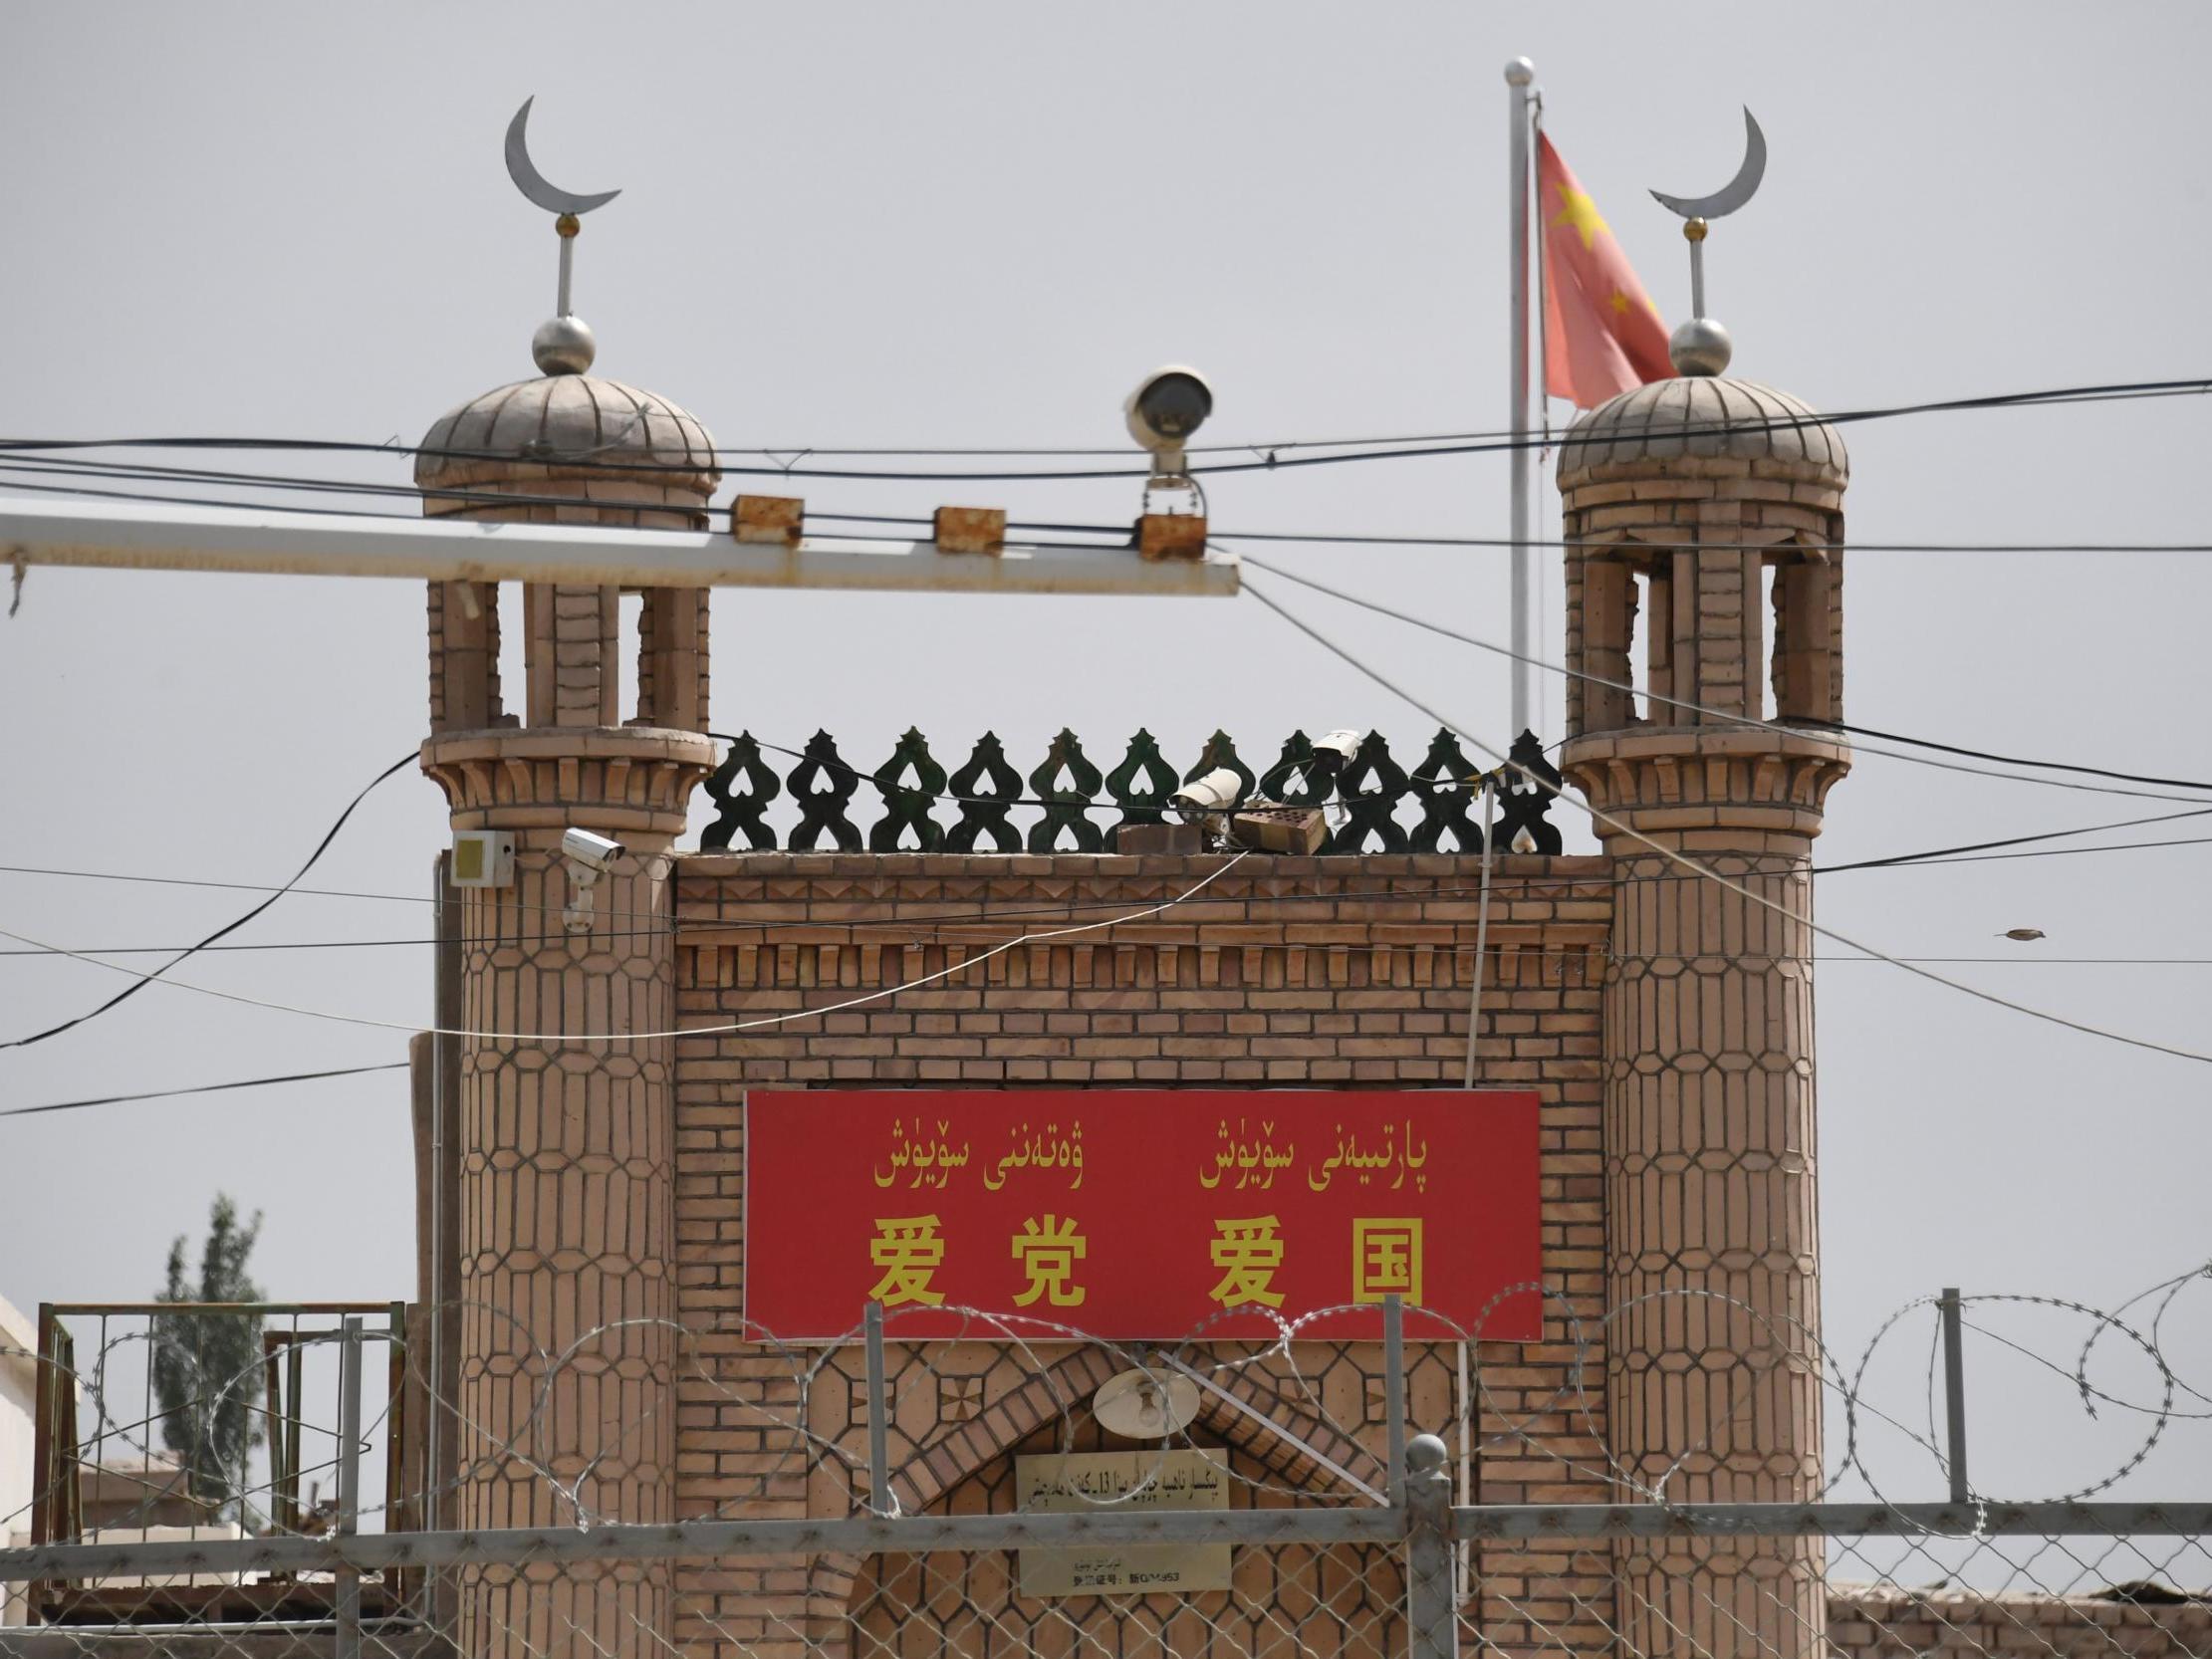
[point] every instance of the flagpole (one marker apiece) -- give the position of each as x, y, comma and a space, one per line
1519, 73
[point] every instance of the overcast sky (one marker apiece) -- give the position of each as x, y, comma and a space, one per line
969, 224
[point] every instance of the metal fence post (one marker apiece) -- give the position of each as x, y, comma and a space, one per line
1954, 1393
1393, 1382
1431, 1610
347, 1590
878, 1430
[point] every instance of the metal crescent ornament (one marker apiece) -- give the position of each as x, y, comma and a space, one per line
531, 182
1726, 199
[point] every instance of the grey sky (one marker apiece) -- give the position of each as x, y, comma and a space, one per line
979, 224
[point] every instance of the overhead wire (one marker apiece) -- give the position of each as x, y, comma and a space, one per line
200, 1089
1455, 951
724, 1029
1934, 855
1695, 868
296, 892
1273, 460
1748, 720
143, 980
1117, 535
1116, 921
918, 932
1114, 535
493, 940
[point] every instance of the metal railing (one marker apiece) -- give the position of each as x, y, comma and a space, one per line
271, 1412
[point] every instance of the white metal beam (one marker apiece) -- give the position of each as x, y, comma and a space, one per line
282, 544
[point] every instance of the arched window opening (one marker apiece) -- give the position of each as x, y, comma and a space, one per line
1803, 680
1609, 600
1767, 613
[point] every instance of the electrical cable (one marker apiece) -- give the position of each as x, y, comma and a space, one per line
922, 934
1912, 862
1384, 449
143, 980
1693, 867
200, 1089
1745, 720
1946, 855
409, 492
494, 940
557, 1037
298, 892
1456, 951
2011, 760
1935, 855
1114, 535
1328, 538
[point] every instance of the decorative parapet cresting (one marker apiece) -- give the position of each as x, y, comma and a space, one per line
1372, 804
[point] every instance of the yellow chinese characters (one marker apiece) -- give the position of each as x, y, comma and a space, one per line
1048, 1251
1247, 1251
1386, 1258
908, 1252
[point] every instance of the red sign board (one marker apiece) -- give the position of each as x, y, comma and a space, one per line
1138, 1212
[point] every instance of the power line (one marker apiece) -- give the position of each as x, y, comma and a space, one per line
1950, 854
1736, 719
494, 940
298, 892
1273, 460
1324, 537
2013, 760
726, 1029
143, 980
200, 1089
1935, 855
1454, 951
1114, 535
1695, 868
923, 934
479, 496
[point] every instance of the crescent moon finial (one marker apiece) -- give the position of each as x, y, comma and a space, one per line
563, 345
1701, 345
534, 184
1729, 197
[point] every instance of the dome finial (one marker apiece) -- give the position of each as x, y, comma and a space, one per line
564, 344
1701, 347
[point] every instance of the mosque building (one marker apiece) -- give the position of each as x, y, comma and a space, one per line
638, 1208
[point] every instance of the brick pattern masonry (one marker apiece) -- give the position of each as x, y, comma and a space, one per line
1286, 971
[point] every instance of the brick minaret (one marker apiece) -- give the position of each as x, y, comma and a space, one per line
563, 1374
1677, 531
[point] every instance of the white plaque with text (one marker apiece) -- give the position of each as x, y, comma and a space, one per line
1115, 1483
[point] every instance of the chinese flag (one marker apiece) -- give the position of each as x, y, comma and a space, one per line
1603, 334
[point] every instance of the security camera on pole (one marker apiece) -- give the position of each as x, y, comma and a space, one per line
1162, 414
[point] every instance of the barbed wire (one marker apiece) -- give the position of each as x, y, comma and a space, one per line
1293, 1382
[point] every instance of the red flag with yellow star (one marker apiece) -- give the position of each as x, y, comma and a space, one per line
1603, 334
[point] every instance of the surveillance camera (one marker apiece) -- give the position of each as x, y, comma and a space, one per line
1216, 792
1167, 409
1335, 748
596, 853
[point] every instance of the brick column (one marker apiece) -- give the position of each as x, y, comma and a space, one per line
1714, 1391
565, 1385
1714, 1386
564, 1382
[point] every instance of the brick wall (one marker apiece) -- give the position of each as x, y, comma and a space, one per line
1874, 1621
1285, 972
